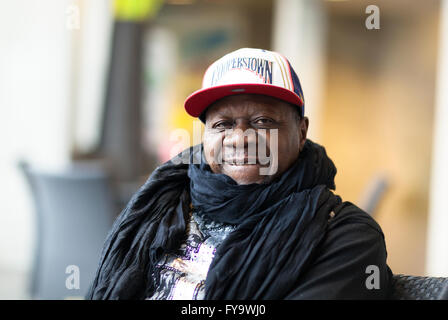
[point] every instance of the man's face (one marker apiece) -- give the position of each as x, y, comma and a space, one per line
240, 123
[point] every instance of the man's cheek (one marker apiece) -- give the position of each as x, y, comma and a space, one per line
213, 150
268, 153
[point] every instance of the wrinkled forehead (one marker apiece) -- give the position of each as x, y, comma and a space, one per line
248, 104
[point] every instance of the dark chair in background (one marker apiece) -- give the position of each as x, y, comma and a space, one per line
407, 287
74, 211
374, 193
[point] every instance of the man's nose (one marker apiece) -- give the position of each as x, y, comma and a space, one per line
242, 134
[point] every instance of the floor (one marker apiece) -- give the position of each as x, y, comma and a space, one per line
13, 284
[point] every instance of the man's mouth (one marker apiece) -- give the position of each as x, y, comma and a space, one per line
241, 161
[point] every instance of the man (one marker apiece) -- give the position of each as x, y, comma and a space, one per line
250, 214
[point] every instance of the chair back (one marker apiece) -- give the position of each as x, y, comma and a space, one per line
74, 212
406, 287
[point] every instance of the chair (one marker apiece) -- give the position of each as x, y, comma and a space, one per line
374, 193
406, 287
74, 211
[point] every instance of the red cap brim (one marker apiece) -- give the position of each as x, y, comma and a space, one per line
198, 101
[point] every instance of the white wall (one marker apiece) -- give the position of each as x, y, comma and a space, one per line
35, 93
437, 245
299, 34
89, 71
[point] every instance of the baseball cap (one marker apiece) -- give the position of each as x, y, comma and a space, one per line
247, 71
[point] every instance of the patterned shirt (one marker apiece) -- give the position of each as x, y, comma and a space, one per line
182, 274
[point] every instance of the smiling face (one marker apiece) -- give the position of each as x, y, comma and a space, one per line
239, 124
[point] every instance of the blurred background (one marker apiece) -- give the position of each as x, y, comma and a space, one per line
92, 92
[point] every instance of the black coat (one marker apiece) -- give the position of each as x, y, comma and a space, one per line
294, 239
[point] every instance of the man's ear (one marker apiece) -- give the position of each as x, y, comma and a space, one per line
303, 130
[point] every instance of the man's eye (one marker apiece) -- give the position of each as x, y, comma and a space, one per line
223, 124
263, 121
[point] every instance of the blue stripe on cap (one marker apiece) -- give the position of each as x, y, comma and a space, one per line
297, 88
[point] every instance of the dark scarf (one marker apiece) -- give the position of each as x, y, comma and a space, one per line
279, 227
